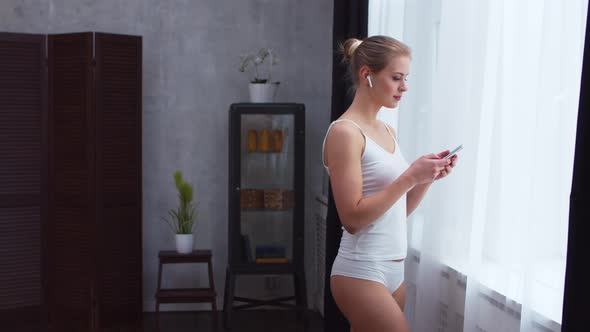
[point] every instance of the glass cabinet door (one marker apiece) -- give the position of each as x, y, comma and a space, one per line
267, 194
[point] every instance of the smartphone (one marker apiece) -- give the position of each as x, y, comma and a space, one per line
454, 152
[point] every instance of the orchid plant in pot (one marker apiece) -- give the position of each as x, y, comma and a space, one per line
182, 219
262, 88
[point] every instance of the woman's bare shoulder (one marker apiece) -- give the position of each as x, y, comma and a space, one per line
344, 140
345, 132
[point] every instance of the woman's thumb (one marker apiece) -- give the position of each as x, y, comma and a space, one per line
432, 156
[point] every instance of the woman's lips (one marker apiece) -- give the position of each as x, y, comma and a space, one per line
397, 97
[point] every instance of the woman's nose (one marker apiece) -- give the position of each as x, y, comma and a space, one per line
403, 86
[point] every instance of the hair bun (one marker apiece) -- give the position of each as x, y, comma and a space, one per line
349, 47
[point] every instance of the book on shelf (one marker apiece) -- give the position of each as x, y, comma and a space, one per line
270, 251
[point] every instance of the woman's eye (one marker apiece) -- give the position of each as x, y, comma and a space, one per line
397, 78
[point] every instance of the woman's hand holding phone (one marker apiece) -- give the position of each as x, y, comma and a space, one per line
452, 156
432, 167
426, 168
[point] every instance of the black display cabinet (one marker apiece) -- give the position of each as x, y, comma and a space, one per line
266, 200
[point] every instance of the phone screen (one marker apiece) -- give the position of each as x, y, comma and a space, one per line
452, 153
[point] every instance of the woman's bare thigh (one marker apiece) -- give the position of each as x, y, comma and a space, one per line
368, 305
399, 295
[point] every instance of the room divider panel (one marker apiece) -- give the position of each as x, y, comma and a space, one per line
70, 180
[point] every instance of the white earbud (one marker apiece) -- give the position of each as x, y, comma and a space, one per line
369, 79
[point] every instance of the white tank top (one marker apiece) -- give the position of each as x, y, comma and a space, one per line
386, 237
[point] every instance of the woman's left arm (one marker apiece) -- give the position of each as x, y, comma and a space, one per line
415, 196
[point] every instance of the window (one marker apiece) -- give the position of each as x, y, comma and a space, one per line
503, 79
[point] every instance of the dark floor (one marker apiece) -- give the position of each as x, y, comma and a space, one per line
242, 321
202, 321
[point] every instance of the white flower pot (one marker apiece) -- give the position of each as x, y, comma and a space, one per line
263, 92
184, 243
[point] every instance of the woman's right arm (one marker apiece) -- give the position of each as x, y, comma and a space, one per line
343, 152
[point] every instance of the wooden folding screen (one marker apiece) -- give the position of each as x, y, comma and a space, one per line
71, 220
118, 169
92, 135
23, 174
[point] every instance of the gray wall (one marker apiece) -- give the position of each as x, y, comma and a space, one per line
190, 78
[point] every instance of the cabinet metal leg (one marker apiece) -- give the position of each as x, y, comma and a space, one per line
300, 294
228, 303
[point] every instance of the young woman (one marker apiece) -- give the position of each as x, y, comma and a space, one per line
374, 188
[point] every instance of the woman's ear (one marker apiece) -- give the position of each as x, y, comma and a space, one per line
365, 76
364, 71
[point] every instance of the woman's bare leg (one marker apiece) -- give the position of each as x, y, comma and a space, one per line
399, 295
368, 305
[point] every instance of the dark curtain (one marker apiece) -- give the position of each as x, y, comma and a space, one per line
350, 20
577, 289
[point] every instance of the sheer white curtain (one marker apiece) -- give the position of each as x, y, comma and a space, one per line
502, 77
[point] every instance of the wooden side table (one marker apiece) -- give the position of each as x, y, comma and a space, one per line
186, 295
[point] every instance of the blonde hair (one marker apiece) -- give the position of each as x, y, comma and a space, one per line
374, 52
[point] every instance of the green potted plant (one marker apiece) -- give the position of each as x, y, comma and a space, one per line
261, 87
182, 219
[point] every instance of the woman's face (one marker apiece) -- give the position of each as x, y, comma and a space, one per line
389, 85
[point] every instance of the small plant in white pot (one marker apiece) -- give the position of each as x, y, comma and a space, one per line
262, 88
182, 219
